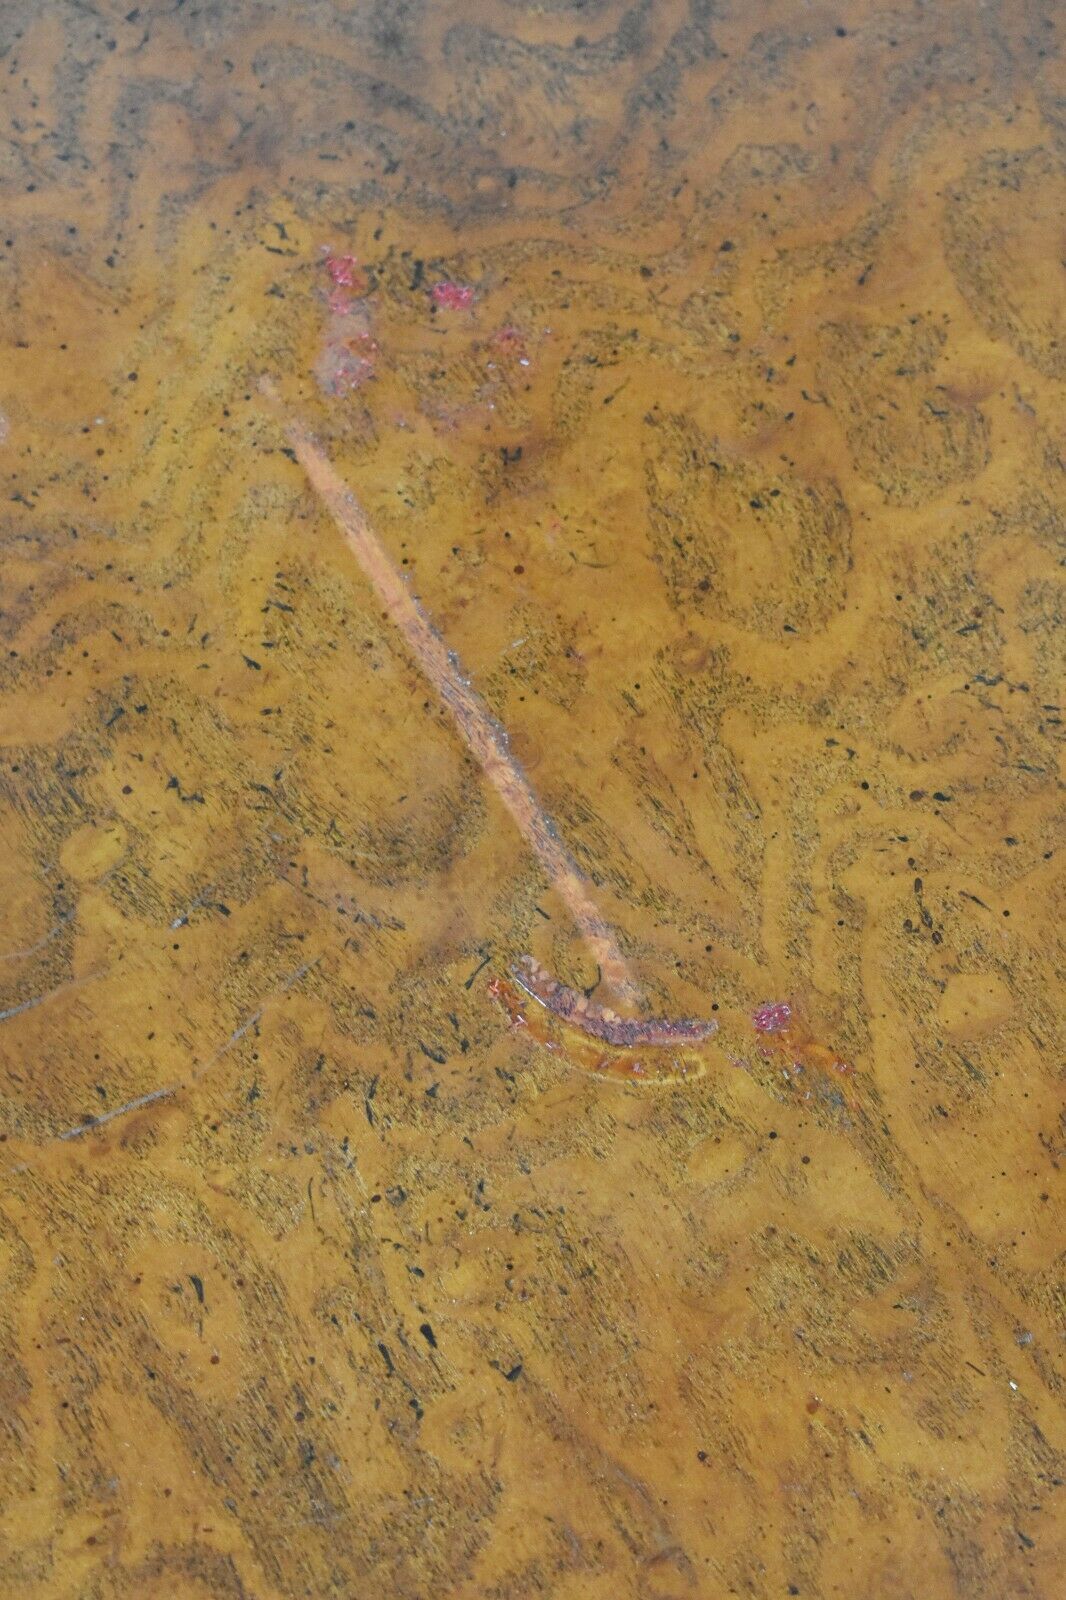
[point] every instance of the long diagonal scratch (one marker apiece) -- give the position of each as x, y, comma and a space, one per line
484, 736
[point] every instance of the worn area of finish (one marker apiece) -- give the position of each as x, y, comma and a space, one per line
703, 365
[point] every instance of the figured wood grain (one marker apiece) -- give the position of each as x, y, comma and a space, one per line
737, 488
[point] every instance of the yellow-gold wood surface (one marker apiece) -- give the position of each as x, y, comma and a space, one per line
702, 366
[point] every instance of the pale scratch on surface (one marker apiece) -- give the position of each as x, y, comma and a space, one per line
40, 999
182, 919
27, 1005
234, 1038
198, 1071
238, 1033
119, 1111
31, 949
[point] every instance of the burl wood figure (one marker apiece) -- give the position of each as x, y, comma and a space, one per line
382, 1214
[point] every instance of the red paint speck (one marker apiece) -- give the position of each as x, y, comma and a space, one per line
452, 296
773, 1018
348, 284
343, 270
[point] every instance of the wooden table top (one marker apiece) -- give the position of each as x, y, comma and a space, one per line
701, 367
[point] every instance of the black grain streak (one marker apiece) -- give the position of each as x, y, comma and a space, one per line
482, 964
186, 799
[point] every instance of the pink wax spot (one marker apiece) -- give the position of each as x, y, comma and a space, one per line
343, 271
773, 1018
452, 296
